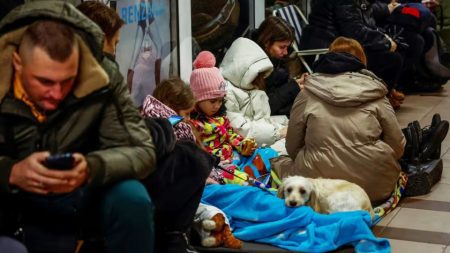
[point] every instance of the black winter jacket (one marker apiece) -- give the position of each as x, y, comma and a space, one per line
281, 89
350, 18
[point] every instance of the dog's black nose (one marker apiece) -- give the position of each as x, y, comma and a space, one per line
292, 203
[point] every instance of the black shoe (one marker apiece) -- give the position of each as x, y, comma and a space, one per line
432, 143
427, 130
434, 122
416, 126
178, 242
411, 153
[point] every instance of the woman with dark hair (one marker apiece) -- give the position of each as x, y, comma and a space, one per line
275, 36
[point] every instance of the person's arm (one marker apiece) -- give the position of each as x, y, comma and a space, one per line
259, 126
281, 89
232, 137
350, 23
381, 11
295, 137
127, 149
392, 133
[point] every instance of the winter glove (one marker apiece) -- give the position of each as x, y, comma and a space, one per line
162, 134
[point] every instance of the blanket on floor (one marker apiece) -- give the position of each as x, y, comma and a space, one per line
258, 215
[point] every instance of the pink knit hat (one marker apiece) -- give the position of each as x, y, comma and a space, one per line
206, 80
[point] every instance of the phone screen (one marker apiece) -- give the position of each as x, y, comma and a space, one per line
64, 161
175, 119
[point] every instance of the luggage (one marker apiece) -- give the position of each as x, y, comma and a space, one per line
421, 159
422, 177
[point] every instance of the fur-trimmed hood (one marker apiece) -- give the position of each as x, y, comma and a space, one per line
91, 76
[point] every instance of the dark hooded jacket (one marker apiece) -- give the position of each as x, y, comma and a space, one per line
354, 19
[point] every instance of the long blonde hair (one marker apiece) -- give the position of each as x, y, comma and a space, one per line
351, 46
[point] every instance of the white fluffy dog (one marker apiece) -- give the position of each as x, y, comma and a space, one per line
324, 195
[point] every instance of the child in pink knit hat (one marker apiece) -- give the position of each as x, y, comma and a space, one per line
209, 120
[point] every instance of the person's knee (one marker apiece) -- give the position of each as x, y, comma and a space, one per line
11, 246
128, 200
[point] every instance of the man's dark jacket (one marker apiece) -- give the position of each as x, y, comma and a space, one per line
97, 119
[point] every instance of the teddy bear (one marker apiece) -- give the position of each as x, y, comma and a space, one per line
214, 229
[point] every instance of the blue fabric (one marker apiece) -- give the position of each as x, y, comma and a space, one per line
257, 215
263, 153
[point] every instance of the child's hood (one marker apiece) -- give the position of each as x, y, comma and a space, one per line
243, 62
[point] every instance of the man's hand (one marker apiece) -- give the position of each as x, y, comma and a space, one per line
392, 6
31, 175
393, 47
74, 178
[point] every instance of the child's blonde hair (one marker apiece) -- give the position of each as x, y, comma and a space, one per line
174, 93
351, 46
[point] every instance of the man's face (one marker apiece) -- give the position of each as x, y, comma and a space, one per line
46, 81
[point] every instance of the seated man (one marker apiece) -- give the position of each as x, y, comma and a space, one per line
58, 95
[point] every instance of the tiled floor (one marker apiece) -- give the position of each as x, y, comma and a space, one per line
422, 223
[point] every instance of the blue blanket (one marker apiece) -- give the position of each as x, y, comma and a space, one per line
258, 215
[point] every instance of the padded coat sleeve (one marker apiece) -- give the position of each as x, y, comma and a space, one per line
295, 138
392, 133
255, 121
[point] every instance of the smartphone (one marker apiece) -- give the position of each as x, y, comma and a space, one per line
175, 119
64, 161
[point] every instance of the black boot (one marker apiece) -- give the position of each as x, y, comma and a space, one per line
177, 242
427, 130
416, 126
411, 153
431, 145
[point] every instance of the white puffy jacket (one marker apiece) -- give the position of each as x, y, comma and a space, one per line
248, 108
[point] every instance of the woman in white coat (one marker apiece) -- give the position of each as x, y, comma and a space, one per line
244, 66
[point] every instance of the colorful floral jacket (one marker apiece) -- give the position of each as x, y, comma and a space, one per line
153, 108
217, 136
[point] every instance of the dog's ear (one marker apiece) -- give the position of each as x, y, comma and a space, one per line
280, 192
313, 201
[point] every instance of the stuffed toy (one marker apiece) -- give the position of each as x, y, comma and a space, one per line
214, 229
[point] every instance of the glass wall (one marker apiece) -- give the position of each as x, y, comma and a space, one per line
160, 38
216, 24
146, 52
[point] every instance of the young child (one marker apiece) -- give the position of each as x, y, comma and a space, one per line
172, 97
216, 133
244, 67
